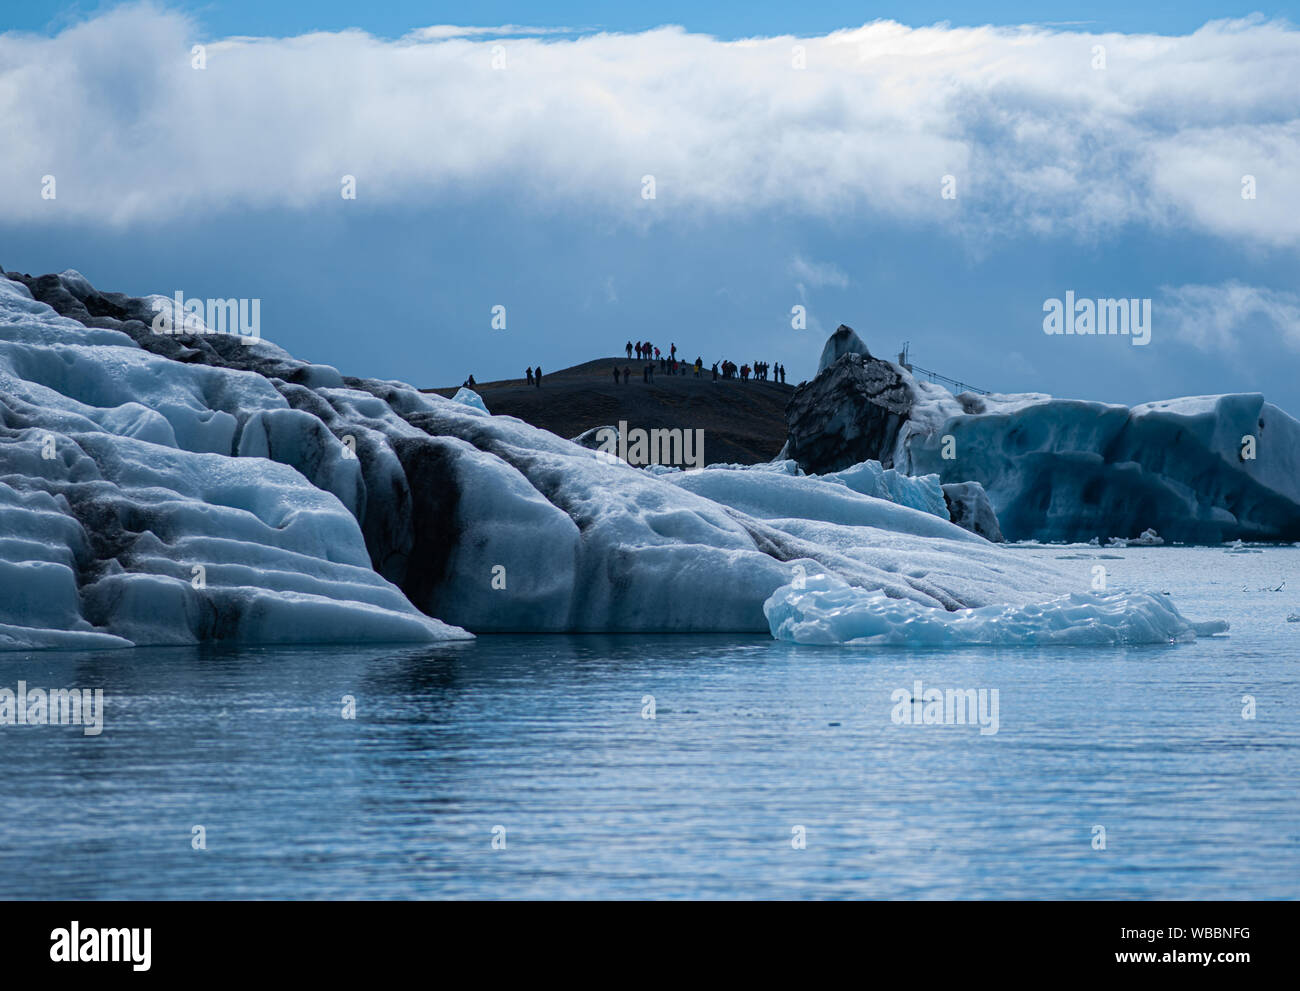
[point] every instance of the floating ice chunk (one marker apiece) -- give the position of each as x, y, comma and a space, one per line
830, 611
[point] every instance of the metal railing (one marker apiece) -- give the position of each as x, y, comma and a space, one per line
956, 384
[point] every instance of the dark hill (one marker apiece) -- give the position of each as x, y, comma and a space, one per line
742, 421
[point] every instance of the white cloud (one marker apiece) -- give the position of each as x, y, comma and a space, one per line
1037, 139
1227, 317
818, 275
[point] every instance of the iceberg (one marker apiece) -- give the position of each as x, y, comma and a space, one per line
1203, 469
826, 610
164, 488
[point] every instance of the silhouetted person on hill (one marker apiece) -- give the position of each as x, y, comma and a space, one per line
629, 349
616, 374
715, 371
530, 374
537, 376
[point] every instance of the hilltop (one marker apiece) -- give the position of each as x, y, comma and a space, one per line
743, 422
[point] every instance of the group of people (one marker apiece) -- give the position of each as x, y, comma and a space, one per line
759, 370
642, 349
668, 363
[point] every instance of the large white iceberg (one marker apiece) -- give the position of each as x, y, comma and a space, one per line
163, 489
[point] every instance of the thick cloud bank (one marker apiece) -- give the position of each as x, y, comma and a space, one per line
1039, 128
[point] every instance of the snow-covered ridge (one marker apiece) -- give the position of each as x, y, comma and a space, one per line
164, 489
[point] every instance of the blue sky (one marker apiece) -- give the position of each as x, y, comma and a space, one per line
820, 187
730, 19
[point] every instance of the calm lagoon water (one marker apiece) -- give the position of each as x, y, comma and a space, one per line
545, 736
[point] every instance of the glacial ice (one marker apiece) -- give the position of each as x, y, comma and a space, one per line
843, 341
112, 492
159, 489
828, 610
468, 397
1068, 470
1201, 469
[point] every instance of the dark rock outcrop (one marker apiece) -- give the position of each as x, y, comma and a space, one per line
849, 413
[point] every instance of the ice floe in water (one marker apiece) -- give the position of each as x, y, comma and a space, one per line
827, 610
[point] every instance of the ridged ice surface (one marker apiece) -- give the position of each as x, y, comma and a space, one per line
825, 610
164, 490
1199, 469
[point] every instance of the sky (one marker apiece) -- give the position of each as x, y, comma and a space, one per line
921, 175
